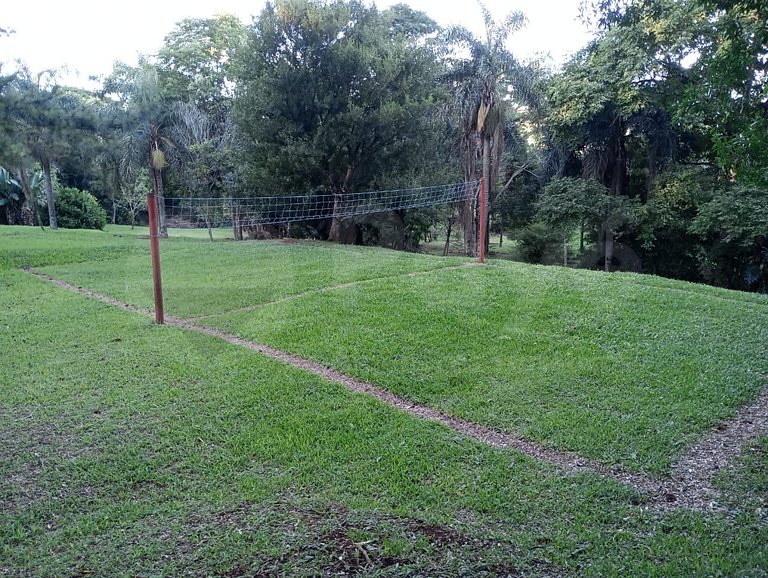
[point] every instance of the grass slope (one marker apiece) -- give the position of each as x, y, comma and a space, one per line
202, 277
32, 247
623, 368
128, 449
615, 369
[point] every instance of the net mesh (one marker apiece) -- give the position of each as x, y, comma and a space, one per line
216, 212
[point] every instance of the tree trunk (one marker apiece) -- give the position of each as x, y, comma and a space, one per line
116, 192
469, 218
336, 232
161, 206
488, 189
157, 190
617, 186
237, 230
336, 224
399, 243
650, 180
48, 186
448, 236
608, 249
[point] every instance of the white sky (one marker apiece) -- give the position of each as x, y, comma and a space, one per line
86, 37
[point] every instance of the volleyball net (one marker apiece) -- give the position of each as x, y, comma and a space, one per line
219, 212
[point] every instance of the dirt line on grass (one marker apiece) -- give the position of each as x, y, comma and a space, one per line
88, 293
690, 484
324, 290
714, 452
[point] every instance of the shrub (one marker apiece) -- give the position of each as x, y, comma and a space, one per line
539, 243
76, 209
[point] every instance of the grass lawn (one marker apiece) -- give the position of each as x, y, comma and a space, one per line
618, 371
202, 234
202, 277
129, 449
626, 369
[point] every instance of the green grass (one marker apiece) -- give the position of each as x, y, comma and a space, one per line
203, 277
130, 449
31, 247
218, 234
613, 369
28, 246
506, 249
625, 369
746, 483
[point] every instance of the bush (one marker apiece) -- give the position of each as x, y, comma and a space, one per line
76, 209
540, 243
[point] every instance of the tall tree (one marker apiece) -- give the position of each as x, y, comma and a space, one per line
727, 92
485, 82
612, 102
45, 120
197, 62
147, 124
334, 95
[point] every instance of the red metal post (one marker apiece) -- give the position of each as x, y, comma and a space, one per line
483, 220
154, 247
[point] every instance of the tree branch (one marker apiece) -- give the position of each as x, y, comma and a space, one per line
517, 173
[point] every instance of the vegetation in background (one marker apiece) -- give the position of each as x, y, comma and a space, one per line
665, 109
79, 209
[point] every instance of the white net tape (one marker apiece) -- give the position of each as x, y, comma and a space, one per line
214, 212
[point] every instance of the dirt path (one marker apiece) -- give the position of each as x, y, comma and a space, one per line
688, 486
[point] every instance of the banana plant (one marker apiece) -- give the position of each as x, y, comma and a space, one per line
9, 188
9, 193
30, 183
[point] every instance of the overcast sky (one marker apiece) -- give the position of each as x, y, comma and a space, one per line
86, 37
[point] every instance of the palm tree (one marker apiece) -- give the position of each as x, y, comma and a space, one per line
29, 182
147, 119
204, 153
483, 85
40, 121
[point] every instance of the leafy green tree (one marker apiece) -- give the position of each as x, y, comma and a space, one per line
568, 203
107, 177
707, 60
13, 153
333, 96
133, 198
45, 121
10, 193
204, 150
728, 86
611, 104
196, 64
663, 235
204, 154
734, 226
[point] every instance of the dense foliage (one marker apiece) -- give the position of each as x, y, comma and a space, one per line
648, 146
79, 209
